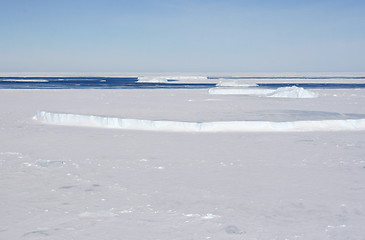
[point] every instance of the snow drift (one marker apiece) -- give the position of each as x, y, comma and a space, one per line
178, 126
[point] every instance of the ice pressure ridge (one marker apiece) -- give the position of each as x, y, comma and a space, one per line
179, 126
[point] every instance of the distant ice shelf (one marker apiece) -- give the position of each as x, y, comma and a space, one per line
152, 80
165, 79
25, 80
179, 126
235, 83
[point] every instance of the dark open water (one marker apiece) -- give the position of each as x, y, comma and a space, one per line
131, 83
91, 83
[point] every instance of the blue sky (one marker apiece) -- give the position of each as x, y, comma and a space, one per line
182, 36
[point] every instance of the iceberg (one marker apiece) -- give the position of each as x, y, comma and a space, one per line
179, 126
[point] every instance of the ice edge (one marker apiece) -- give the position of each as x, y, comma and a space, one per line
179, 126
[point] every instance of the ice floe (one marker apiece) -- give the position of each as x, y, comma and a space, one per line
179, 126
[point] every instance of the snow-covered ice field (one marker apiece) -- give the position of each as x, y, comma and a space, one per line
72, 182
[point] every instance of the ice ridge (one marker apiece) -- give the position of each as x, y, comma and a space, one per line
179, 126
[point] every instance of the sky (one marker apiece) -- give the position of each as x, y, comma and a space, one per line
182, 36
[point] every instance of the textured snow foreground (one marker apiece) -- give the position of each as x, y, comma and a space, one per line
62, 182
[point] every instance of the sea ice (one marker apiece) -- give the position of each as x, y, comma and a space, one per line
89, 183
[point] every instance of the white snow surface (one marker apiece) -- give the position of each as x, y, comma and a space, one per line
240, 91
292, 92
64, 182
179, 126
